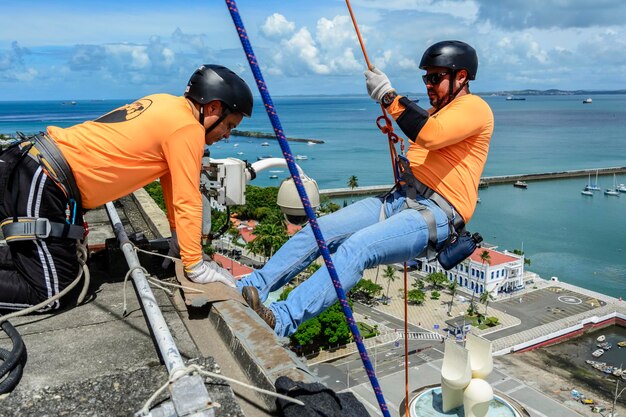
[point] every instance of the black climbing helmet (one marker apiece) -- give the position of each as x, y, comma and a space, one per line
215, 82
455, 55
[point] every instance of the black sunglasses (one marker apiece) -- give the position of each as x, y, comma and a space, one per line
434, 78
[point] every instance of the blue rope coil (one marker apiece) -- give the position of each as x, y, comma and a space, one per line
278, 130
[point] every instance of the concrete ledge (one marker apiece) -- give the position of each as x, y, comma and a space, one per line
261, 354
152, 213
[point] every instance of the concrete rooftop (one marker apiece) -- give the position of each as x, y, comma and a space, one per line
88, 360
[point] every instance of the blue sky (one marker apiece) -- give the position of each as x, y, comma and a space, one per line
127, 49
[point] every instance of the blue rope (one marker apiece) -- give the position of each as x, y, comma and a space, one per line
278, 130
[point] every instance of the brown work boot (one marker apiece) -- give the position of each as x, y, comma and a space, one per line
251, 295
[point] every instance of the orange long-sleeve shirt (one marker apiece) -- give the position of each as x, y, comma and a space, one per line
120, 152
450, 151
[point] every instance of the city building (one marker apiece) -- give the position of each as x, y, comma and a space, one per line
502, 273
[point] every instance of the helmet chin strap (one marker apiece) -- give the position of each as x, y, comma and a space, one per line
225, 113
452, 94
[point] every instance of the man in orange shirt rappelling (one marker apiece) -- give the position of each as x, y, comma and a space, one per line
422, 215
47, 180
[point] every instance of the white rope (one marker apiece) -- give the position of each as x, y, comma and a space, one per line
179, 373
151, 280
82, 269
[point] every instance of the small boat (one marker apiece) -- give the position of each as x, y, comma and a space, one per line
511, 98
612, 191
239, 153
301, 157
605, 345
586, 191
265, 144
520, 184
311, 143
258, 158
588, 100
272, 177
597, 353
235, 145
594, 186
622, 343
478, 199
621, 188
601, 338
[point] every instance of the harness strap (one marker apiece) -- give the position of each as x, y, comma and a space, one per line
31, 228
49, 156
415, 186
431, 222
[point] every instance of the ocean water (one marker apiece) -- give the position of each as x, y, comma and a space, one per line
579, 239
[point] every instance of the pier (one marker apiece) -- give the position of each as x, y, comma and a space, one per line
503, 179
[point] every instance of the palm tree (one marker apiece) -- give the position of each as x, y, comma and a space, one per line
485, 258
390, 276
452, 288
353, 182
268, 238
484, 298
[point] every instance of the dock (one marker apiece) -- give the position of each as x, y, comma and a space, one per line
496, 180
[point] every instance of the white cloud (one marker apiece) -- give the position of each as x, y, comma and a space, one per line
276, 26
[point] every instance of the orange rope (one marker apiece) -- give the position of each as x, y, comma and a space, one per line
387, 128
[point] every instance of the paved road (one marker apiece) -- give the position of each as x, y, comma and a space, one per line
425, 359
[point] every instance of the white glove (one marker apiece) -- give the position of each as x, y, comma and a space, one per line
377, 83
173, 252
204, 272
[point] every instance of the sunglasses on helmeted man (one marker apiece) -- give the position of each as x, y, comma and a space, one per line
434, 78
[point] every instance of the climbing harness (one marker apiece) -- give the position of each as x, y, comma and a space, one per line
44, 151
289, 158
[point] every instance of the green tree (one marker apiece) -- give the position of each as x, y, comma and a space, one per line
435, 295
353, 182
327, 205
155, 191
268, 238
258, 197
521, 253
485, 297
390, 276
283, 295
308, 333
365, 290
452, 287
416, 296
328, 329
437, 279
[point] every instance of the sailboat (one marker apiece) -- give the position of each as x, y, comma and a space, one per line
587, 189
612, 191
594, 186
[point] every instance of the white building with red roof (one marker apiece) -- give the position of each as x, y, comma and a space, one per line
503, 272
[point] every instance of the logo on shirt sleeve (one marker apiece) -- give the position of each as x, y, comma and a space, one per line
126, 113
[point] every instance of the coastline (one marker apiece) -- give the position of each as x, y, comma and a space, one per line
261, 135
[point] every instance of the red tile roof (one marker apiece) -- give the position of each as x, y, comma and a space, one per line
497, 258
233, 266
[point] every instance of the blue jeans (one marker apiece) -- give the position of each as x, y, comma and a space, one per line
358, 239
